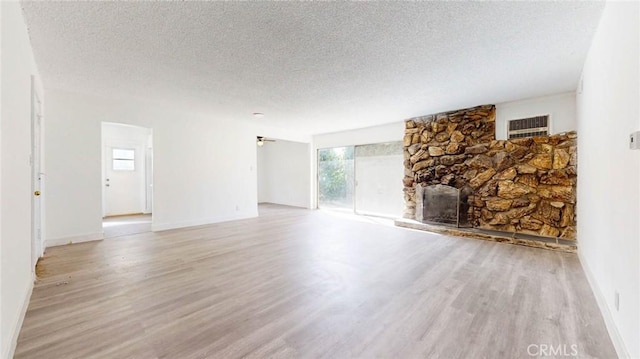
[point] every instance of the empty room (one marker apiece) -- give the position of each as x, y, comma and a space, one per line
282, 179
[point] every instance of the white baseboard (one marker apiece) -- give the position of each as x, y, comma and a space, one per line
200, 222
19, 320
74, 239
616, 338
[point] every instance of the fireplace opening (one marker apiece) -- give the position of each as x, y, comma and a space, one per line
442, 204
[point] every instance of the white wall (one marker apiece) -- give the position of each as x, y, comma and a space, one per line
261, 174
3, 331
364, 136
17, 67
204, 168
283, 173
561, 109
377, 134
262, 128
609, 172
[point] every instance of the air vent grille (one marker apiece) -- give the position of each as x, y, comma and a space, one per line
529, 127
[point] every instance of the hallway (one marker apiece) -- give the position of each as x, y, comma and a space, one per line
118, 226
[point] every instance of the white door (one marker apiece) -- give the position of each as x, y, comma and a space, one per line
124, 180
36, 176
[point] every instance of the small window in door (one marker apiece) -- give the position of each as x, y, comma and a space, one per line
124, 159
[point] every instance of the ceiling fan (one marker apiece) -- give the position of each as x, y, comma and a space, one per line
261, 140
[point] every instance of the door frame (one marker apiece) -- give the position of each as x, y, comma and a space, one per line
143, 152
37, 176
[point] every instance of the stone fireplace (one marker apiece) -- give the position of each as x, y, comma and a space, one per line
453, 162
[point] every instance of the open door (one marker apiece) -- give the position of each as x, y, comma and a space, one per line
37, 248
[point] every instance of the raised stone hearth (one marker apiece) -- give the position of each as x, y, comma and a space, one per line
525, 185
493, 236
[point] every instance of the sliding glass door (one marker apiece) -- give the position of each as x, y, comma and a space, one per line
366, 179
378, 179
335, 178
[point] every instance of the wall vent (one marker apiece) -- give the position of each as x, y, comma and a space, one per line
529, 127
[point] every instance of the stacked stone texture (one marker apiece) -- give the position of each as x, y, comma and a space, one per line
523, 185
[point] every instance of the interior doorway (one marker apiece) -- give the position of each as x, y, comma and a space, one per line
127, 172
283, 172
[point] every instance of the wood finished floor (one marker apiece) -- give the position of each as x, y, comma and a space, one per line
118, 226
295, 283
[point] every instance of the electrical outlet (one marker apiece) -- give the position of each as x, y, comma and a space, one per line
237, 208
617, 301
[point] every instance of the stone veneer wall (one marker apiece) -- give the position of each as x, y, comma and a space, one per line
435, 149
523, 185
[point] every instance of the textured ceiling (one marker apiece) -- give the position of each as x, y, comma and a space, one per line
313, 66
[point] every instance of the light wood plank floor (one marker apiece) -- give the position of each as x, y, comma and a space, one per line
307, 284
118, 226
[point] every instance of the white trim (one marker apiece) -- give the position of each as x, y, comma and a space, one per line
37, 245
74, 239
200, 222
18, 324
616, 338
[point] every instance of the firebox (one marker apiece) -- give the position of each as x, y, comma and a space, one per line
442, 204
